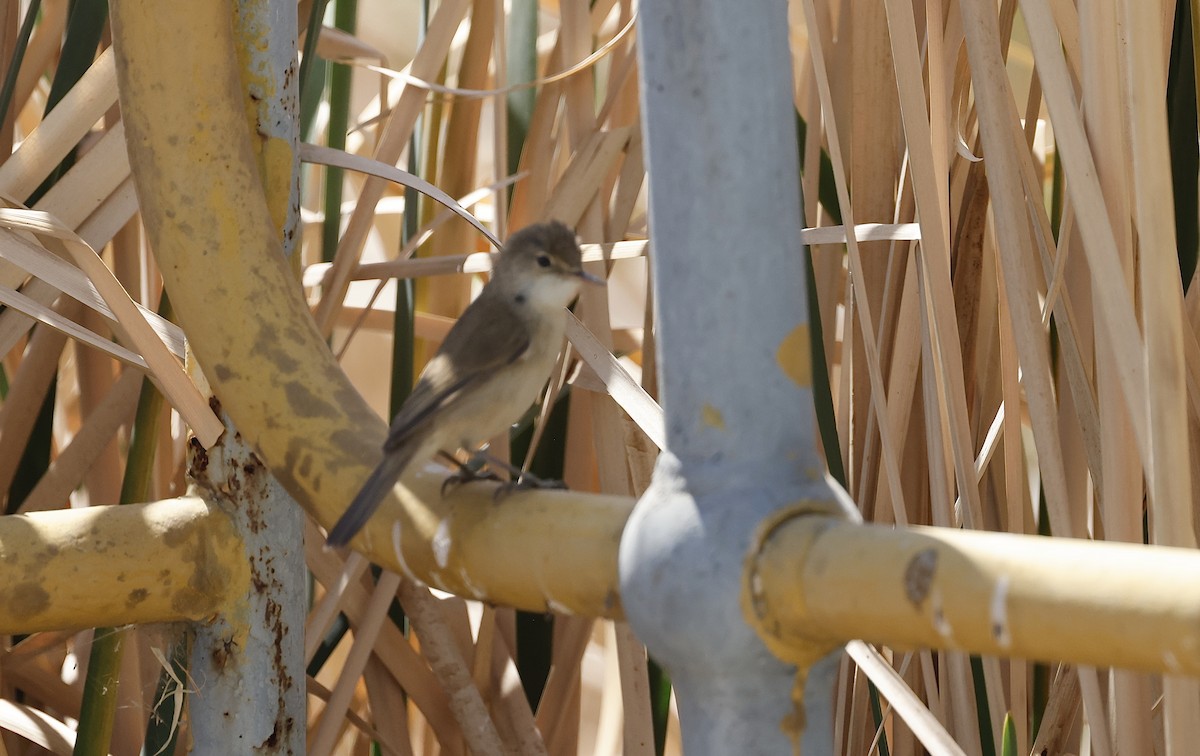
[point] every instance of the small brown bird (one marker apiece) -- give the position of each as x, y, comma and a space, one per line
489, 369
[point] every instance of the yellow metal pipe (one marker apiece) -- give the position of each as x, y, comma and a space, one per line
165, 561
813, 579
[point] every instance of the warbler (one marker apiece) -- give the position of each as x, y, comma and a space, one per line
490, 368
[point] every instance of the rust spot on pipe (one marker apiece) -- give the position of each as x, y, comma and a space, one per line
918, 576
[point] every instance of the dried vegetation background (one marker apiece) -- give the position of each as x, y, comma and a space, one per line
1009, 346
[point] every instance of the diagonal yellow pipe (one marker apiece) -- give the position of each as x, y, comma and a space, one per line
203, 206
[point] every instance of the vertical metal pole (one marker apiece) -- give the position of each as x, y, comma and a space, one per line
725, 220
249, 665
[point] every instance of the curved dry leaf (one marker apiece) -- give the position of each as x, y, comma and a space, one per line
579, 67
37, 727
960, 99
45, 315
476, 262
411, 246
312, 153
51, 269
171, 379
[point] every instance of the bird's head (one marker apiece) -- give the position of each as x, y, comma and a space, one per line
542, 263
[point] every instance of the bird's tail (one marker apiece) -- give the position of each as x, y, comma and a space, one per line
370, 496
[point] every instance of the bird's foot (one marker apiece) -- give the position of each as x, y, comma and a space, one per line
467, 473
524, 482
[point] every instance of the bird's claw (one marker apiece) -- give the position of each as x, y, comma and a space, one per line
526, 482
466, 475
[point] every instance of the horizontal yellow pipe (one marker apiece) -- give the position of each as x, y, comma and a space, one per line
817, 580
164, 561
537, 550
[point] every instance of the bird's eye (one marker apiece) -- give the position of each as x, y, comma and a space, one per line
543, 261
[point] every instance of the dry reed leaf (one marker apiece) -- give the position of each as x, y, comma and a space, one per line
510, 708
1061, 708
575, 42
905, 364
312, 153
1165, 324
541, 149
1083, 403
27, 390
467, 92
394, 137
47, 316
609, 720
384, 694
96, 229
1170, 477
994, 102
44, 49
323, 739
1094, 711
95, 175
43, 682
863, 232
1115, 305
961, 700
632, 398
61, 130
67, 470
635, 691
168, 373
404, 255
37, 727
867, 330
997, 707
320, 692
476, 262
322, 614
391, 647
53, 275
580, 183
341, 46
932, 208
1010, 392
608, 422
457, 171
558, 712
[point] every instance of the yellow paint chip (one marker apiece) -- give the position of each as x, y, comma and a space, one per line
713, 417
794, 356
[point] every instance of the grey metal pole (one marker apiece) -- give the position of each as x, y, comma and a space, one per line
725, 220
248, 665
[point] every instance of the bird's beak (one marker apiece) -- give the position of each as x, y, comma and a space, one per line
591, 279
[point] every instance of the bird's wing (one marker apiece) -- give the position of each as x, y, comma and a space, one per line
498, 338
